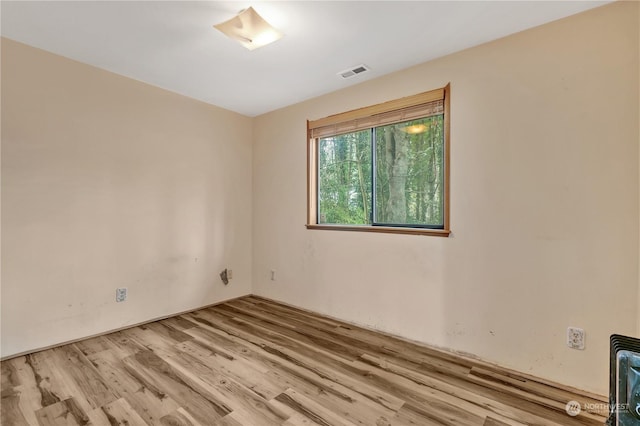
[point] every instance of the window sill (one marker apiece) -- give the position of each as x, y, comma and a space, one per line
383, 229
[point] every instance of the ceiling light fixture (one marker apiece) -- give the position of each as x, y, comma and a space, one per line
249, 29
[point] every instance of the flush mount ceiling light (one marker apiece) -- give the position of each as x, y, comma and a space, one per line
249, 29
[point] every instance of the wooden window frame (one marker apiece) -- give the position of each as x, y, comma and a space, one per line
363, 113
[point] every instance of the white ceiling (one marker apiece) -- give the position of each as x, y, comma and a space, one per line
173, 45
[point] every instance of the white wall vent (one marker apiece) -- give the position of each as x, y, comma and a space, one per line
353, 71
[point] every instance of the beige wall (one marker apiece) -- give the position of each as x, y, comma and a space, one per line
108, 182
544, 205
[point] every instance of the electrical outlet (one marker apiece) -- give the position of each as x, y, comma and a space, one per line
575, 338
273, 275
121, 294
230, 273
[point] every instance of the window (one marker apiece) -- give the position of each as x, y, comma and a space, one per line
383, 168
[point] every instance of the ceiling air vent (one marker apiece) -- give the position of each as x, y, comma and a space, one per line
353, 71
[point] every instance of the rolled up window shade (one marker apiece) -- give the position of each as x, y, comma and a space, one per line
410, 108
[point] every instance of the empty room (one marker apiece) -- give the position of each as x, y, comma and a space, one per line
320, 213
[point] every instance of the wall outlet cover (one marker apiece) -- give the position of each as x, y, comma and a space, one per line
575, 338
121, 294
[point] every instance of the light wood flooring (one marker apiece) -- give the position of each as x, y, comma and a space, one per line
254, 362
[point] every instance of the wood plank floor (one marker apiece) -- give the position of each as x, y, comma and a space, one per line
256, 362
